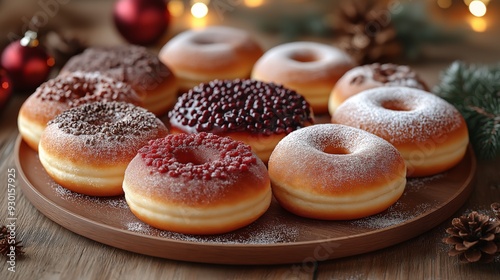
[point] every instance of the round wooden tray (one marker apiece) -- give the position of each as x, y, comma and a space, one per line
277, 237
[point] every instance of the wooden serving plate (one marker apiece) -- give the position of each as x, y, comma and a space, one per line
277, 237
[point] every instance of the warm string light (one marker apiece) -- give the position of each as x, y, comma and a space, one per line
253, 3
477, 8
199, 9
175, 8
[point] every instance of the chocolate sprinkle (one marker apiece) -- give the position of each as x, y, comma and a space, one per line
79, 88
131, 64
106, 121
392, 75
223, 106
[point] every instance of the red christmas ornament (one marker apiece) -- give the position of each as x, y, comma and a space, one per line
27, 63
5, 88
141, 22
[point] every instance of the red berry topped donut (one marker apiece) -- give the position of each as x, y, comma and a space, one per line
257, 113
197, 184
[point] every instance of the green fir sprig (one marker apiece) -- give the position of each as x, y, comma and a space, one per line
475, 91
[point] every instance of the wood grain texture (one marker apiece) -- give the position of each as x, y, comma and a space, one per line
53, 252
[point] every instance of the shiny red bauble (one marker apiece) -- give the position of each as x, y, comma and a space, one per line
141, 22
5, 88
26, 62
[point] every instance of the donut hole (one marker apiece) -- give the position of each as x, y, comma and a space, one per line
304, 56
333, 150
194, 156
395, 105
203, 40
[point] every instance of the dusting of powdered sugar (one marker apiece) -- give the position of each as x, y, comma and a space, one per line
367, 160
417, 116
396, 214
117, 202
251, 234
416, 184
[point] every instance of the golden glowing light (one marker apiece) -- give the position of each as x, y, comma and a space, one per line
253, 3
467, 2
444, 4
197, 23
199, 10
477, 8
478, 24
175, 8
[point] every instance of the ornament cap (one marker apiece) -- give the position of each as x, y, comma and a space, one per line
30, 39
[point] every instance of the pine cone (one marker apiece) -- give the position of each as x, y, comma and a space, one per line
63, 47
5, 248
475, 238
496, 210
3, 232
366, 32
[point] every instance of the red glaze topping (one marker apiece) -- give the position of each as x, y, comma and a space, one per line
241, 106
80, 88
198, 156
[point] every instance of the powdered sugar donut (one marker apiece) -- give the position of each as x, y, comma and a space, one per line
214, 52
87, 148
310, 68
336, 172
197, 184
429, 132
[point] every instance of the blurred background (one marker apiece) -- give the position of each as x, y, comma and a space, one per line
426, 34
418, 25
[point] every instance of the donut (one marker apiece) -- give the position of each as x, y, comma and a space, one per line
64, 92
370, 76
86, 149
134, 65
310, 68
215, 52
429, 132
256, 113
336, 172
197, 184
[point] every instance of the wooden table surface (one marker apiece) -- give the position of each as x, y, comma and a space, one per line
52, 252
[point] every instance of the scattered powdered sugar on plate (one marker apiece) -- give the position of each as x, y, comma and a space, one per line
252, 234
113, 202
392, 216
415, 184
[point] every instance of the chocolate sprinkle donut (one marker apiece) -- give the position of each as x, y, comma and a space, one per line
105, 121
392, 75
131, 64
84, 87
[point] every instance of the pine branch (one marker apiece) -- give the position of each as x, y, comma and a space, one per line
475, 91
